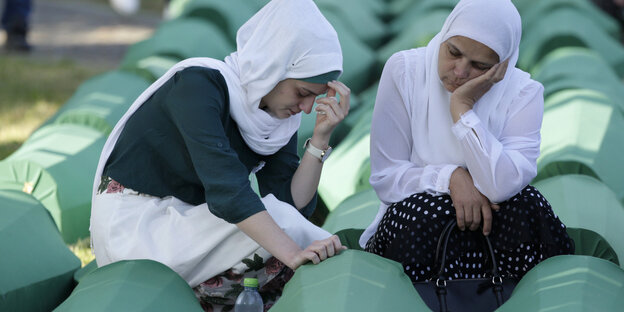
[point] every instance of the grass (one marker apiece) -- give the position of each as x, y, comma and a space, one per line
82, 250
30, 92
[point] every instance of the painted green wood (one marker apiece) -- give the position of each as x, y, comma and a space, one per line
582, 134
570, 284
181, 39
341, 170
36, 267
101, 101
568, 27
352, 281
56, 165
355, 212
132, 285
583, 202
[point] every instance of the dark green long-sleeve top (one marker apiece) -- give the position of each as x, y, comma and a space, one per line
183, 142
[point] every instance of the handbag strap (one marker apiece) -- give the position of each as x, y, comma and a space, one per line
447, 228
440, 259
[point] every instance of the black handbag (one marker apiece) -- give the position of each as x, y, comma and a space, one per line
477, 294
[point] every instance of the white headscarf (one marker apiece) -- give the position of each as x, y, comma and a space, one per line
285, 39
495, 24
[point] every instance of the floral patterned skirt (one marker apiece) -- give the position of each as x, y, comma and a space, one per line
220, 292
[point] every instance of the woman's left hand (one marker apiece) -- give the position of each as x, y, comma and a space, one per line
330, 112
464, 97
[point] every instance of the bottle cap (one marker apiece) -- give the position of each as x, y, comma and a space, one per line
250, 282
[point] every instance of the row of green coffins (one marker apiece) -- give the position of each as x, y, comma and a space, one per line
91, 106
59, 175
562, 23
207, 28
587, 206
547, 25
40, 165
57, 163
355, 279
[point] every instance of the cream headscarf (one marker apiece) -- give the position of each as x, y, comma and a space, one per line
285, 39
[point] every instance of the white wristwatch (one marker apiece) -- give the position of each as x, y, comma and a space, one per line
318, 153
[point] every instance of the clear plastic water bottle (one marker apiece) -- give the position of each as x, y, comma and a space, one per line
249, 300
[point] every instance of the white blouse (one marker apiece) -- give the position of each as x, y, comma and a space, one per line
500, 165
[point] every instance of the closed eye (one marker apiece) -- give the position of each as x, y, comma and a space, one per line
481, 66
454, 52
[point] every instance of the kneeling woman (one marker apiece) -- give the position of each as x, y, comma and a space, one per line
456, 135
173, 185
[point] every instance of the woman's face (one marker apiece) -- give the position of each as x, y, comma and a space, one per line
290, 97
461, 59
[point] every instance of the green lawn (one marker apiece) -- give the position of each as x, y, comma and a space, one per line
30, 92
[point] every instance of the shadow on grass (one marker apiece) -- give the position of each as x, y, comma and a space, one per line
7, 148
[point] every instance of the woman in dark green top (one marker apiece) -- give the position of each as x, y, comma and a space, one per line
172, 183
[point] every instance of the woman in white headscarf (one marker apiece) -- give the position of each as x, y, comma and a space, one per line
173, 180
455, 135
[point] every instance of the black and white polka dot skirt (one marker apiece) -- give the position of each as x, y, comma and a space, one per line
524, 232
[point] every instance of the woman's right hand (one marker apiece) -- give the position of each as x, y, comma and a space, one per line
330, 112
318, 251
464, 97
470, 205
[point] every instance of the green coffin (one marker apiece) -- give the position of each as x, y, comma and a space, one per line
181, 39
578, 68
584, 202
352, 281
84, 271
355, 15
540, 9
568, 27
378, 7
570, 284
152, 67
359, 60
396, 7
228, 15
56, 165
416, 34
36, 267
101, 101
590, 243
420, 10
341, 171
362, 105
132, 285
582, 133
355, 212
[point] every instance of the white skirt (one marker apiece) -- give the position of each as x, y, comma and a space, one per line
189, 239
